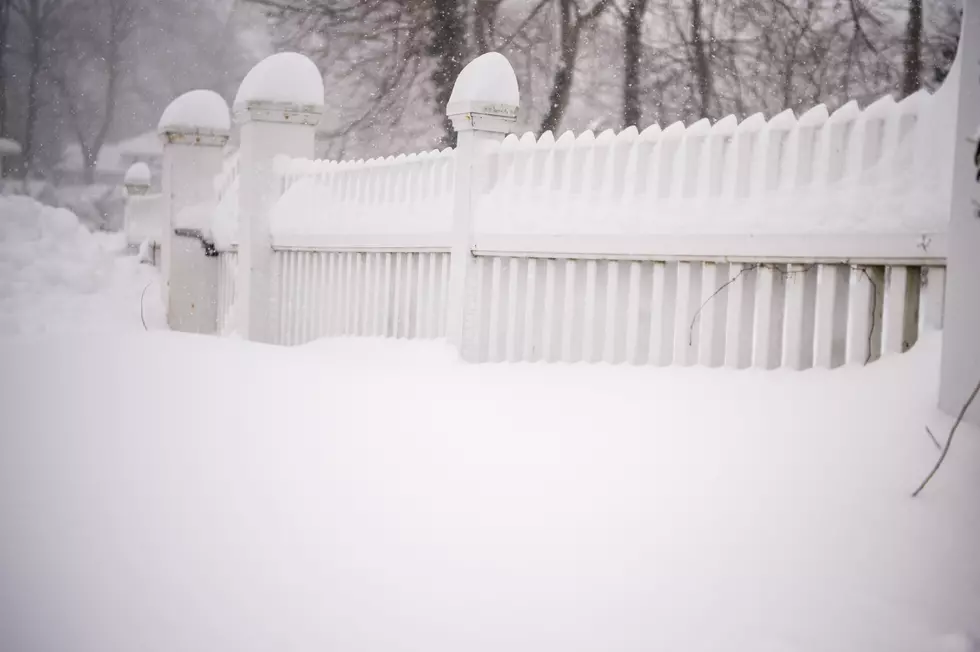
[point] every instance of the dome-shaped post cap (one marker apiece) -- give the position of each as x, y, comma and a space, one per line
485, 95
199, 117
137, 179
283, 87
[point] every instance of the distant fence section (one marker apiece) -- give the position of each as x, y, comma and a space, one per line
797, 242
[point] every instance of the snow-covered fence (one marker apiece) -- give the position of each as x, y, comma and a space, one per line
383, 293
794, 242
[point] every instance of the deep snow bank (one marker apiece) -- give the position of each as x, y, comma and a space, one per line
380, 496
57, 276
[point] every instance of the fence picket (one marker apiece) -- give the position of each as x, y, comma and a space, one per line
657, 354
712, 300
762, 326
633, 313
588, 326
548, 325
495, 317
568, 320
529, 309
420, 297
612, 304
860, 308
511, 332
826, 306
793, 316
899, 318
932, 299
684, 309
734, 317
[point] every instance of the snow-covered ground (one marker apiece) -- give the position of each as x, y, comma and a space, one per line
169, 492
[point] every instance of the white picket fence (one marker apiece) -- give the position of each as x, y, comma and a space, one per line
791, 242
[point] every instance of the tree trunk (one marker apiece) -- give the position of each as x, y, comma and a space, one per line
702, 69
912, 78
561, 87
632, 57
36, 61
4, 41
448, 36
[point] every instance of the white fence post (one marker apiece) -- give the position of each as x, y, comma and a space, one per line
194, 128
278, 107
961, 325
483, 109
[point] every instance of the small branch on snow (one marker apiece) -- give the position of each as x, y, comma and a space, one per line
949, 440
933, 438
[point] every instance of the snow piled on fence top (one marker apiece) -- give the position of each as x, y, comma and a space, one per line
286, 77
488, 79
199, 110
56, 276
138, 174
189, 493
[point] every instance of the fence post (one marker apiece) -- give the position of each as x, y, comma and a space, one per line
483, 109
960, 369
277, 107
194, 128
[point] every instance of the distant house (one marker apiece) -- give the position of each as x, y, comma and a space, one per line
114, 159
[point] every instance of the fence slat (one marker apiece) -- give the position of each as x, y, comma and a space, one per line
793, 317
396, 303
444, 296
762, 324
734, 317
349, 295
480, 309
420, 297
529, 309
511, 333
683, 333
358, 289
569, 311
324, 294
826, 306
932, 299
708, 317
860, 304
386, 298
657, 354
588, 336
495, 317
633, 313
896, 315
407, 296
612, 304
548, 327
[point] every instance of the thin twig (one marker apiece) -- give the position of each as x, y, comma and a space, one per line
933, 438
694, 319
949, 440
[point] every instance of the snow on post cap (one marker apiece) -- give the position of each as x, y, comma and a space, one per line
9, 147
283, 78
138, 174
486, 85
198, 110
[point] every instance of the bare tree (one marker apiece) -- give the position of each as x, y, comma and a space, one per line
92, 72
41, 24
633, 19
4, 45
912, 65
572, 21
